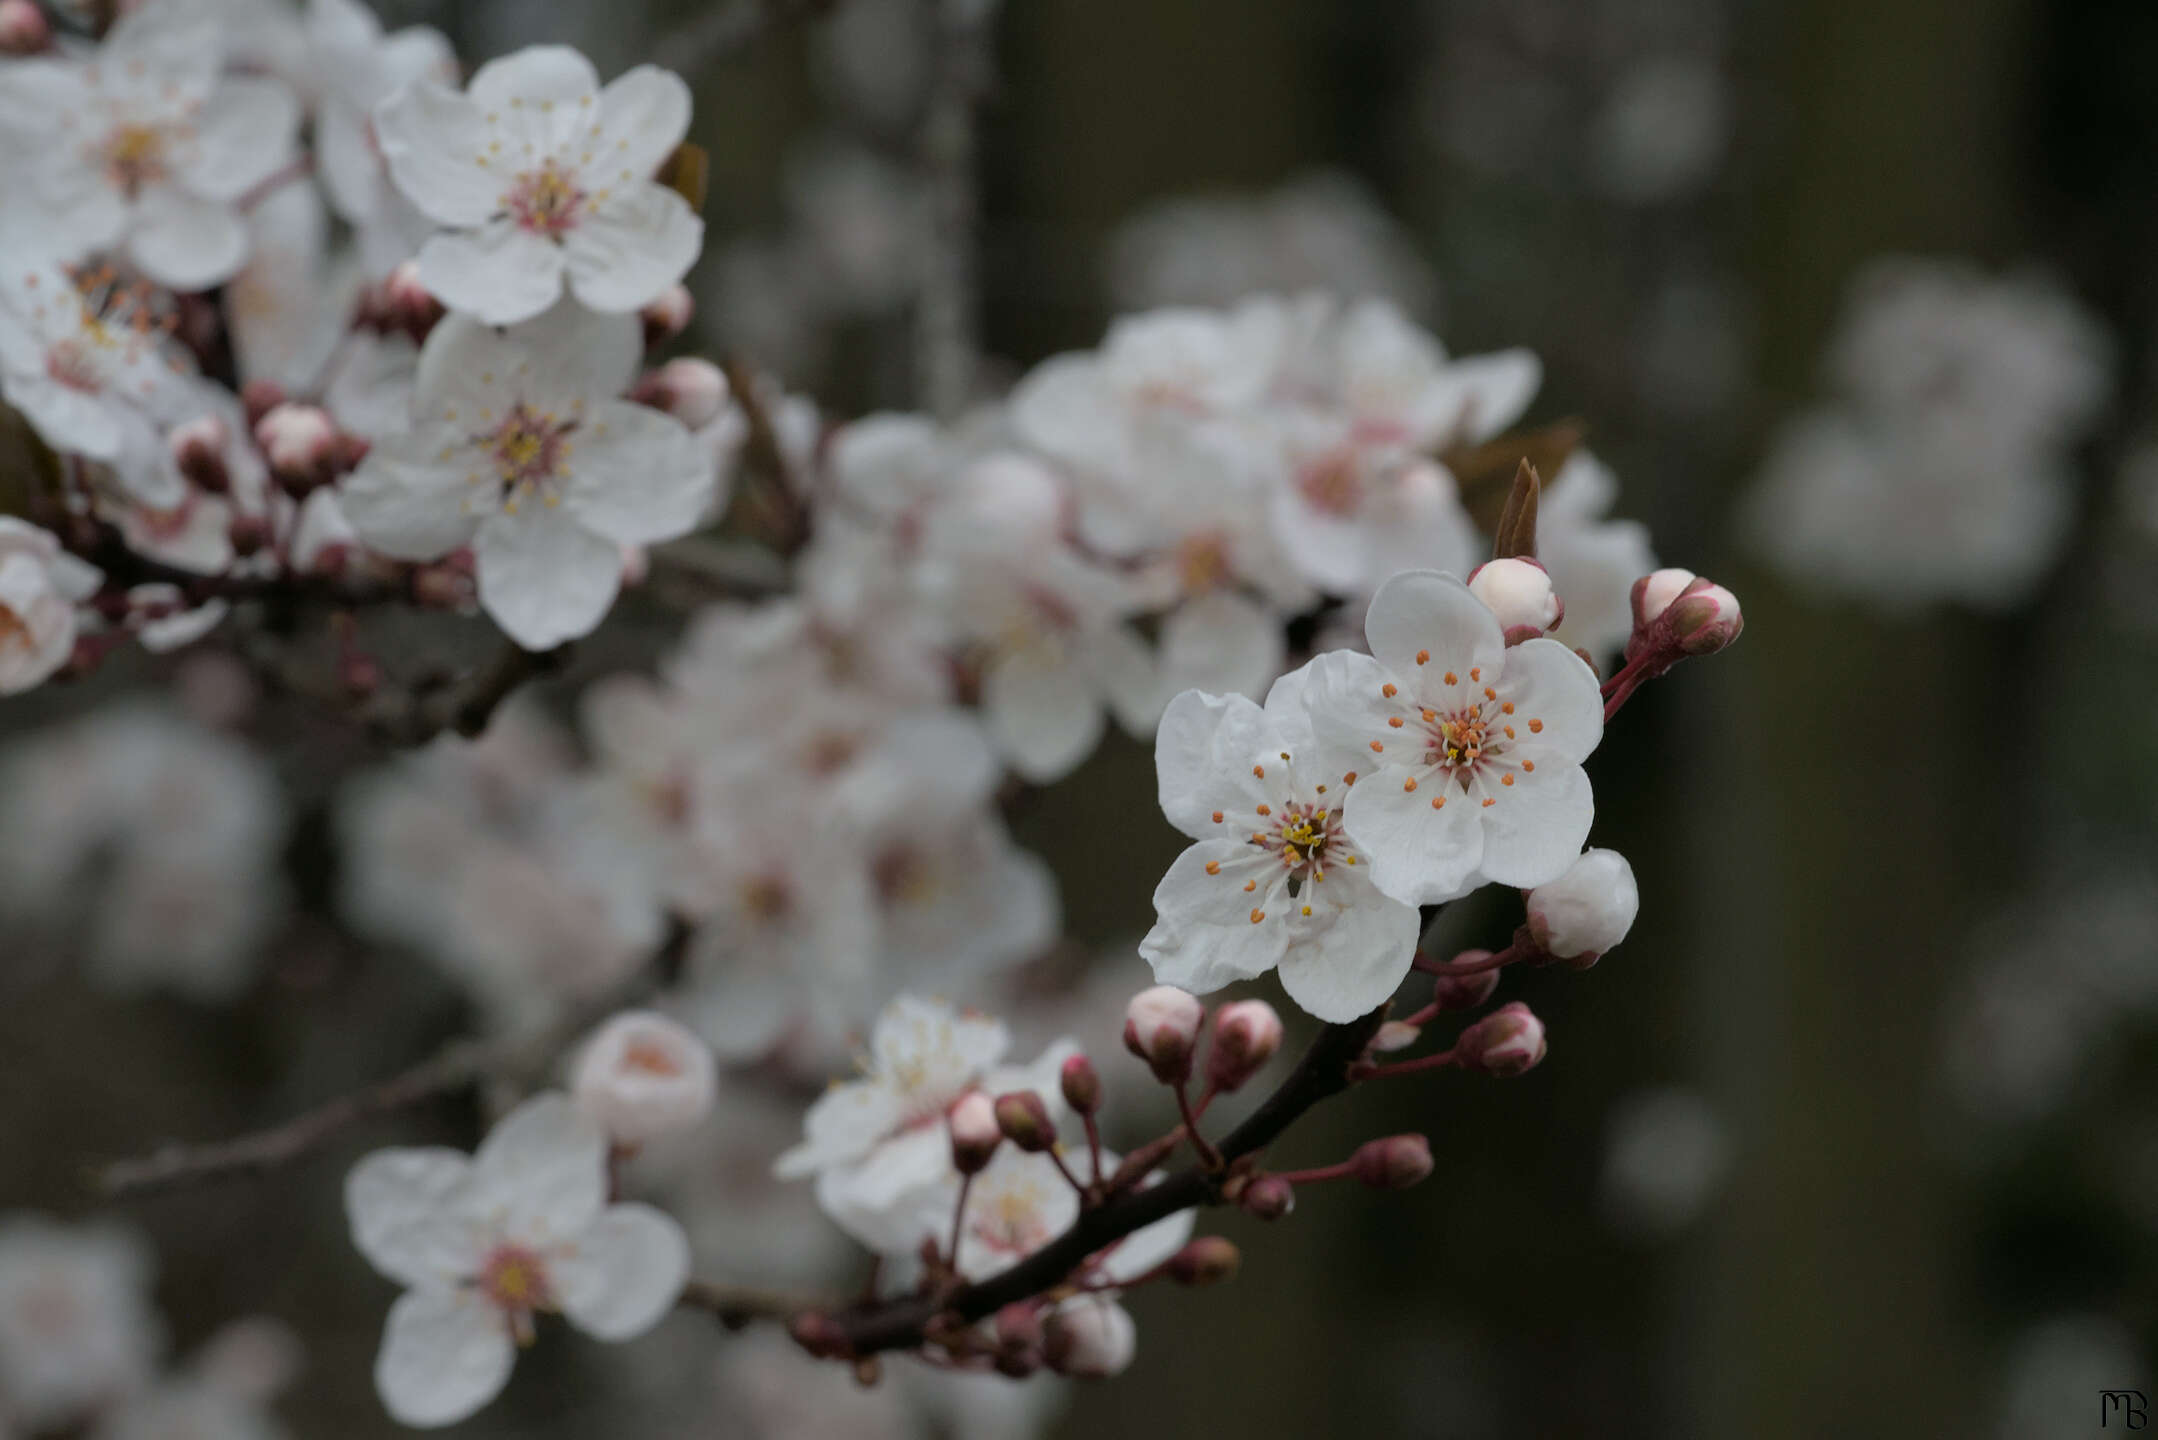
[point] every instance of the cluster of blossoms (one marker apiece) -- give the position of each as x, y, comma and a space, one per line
1942, 471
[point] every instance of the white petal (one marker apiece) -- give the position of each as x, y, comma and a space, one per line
444, 1355
351, 171
243, 134
638, 476
573, 356
540, 99
499, 273
185, 241
1203, 751
1422, 612
1206, 938
624, 254
844, 1124
66, 418
1358, 961
544, 577
1125, 669
409, 504
542, 1171
623, 1273
1418, 854
1487, 393
1536, 826
1042, 710
435, 143
643, 115
408, 1216
1545, 680
1222, 642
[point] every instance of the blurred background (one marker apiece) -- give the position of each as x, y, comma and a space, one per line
1857, 1134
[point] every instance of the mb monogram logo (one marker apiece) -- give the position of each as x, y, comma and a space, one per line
2127, 1406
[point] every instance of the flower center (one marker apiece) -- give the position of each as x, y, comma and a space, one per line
1202, 563
14, 632
1009, 1220
530, 449
766, 898
545, 201
514, 1280
1303, 833
73, 363
1458, 740
133, 156
650, 1057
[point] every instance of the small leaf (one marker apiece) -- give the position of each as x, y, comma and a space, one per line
1516, 533
686, 172
1485, 472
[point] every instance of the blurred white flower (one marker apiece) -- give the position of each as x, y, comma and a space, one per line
1666, 1156
2056, 1374
641, 1075
1663, 129
1593, 560
360, 67
76, 1329
40, 586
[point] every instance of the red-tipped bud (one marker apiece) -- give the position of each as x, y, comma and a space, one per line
975, 1132
1081, 1084
1394, 1163
24, 30
1024, 1120
250, 534
1089, 1338
258, 398
1586, 911
1268, 1198
1207, 1260
1507, 1042
1019, 1325
1705, 620
1677, 613
1465, 992
668, 316
1247, 1034
406, 304
1161, 1027
693, 391
300, 442
1518, 591
198, 452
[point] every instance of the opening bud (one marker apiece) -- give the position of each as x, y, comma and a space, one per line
24, 30
198, 452
668, 316
693, 391
1507, 1042
1081, 1084
1024, 1120
1465, 992
976, 1132
1394, 1163
1161, 1027
1247, 1034
1518, 591
406, 304
1207, 1260
1089, 1338
1268, 1198
1587, 910
301, 444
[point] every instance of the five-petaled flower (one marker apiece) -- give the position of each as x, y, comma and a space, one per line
485, 1242
537, 173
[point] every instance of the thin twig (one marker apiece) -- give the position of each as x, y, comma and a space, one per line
738, 1305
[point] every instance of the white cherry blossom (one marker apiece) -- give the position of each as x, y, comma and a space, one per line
40, 586
360, 67
485, 1242
1471, 752
1274, 880
76, 1330
539, 175
521, 448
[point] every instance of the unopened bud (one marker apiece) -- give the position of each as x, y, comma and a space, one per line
1019, 1324
975, 1132
693, 391
644, 1075
1089, 1338
259, 397
1507, 1042
1081, 1084
1024, 1120
24, 30
1161, 1027
1247, 1034
1705, 619
300, 442
1465, 992
668, 316
250, 534
1587, 910
1396, 1035
408, 305
1394, 1163
1268, 1198
1207, 1260
1518, 592
1653, 593
198, 452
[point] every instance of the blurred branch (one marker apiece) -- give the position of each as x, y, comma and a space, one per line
947, 319
738, 1305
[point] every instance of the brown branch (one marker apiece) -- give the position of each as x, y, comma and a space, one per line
465, 706
738, 1305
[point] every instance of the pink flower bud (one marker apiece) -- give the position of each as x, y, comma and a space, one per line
1518, 591
1020, 1324
1081, 1084
1024, 1120
1247, 1034
1207, 1260
668, 316
408, 305
198, 452
24, 29
1676, 614
1161, 1027
300, 442
1705, 619
1507, 1042
1653, 594
643, 1075
249, 534
259, 397
1268, 1198
1394, 1163
975, 1132
693, 391
1089, 1338
1587, 910
1465, 992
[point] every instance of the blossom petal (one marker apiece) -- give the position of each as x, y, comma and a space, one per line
1546, 680
1206, 938
1422, 612
1203, 751
1480, 395
544, 577
184, 241
1221, 642
573, 356
623, 1274
1536, 827
638, 476
643, 115
500, 273
627, 252
540, 100
1125, 669
407, 503
243, 134
542, 1171
435, 141
1042, 710
408, 1218
1357, 961
444, 1354
1420, 853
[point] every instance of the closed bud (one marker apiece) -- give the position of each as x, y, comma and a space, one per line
250, 534
1081, 1084
1024, 1120
668, 316
198, 452
1465, 992
1268, 1198
693, 391
1677, 613
1587, 910
1207, 1260
1507, 1042
1653, 594
1518, 592
1019, 1324
408, 305
24, 29
975, 1132
1089, 1338
1394, 1163
300, 442
1705, 619
1247, 1034
258, 398
643, 1076
1161, 1027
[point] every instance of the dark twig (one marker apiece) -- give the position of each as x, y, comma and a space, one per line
738, 1305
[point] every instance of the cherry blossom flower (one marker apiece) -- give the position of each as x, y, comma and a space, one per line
360, 68
1274, 879
1471, 751
485, 1242
147, 145
40, 586
520, 449
539, 175
76, 1331
641, 1076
